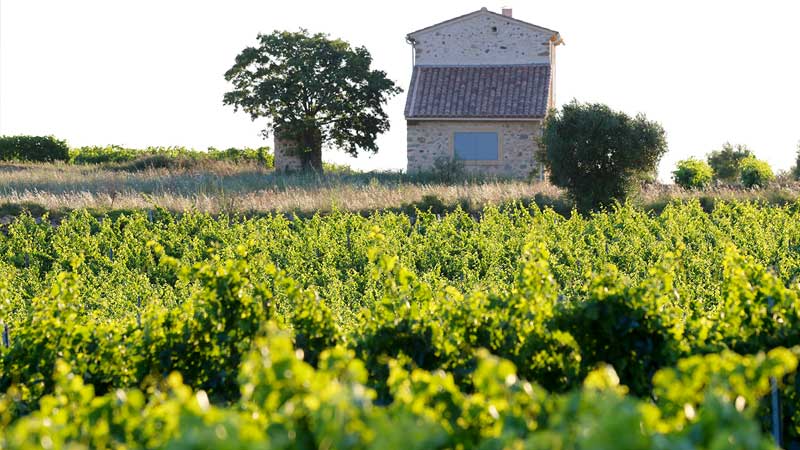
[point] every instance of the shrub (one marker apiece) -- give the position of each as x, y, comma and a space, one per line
796, 168
328, 167
33, 148
448, 170
726, 162
234, 154
692, 173
599, 155
157, 161
154, 157
755, 172
102, 155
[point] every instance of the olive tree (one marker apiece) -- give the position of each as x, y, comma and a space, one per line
312, 90
599, 155
725, 161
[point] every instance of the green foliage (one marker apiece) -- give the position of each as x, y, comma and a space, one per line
312, 90
796, 168
287, 404
155, 157
741, 380
726, 161
440, 326
636, 329
757, 310
755, 173
599, 155
448, 170
692, 174
522, 329
33, 148
312, 321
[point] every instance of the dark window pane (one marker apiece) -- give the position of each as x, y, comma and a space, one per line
476, 146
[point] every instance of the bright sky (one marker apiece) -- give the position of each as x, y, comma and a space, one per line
150, 72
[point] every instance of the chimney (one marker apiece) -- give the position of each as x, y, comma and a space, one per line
508, 12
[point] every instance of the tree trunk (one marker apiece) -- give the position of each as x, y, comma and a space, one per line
311, 151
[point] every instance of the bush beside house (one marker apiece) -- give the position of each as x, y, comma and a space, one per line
599, 155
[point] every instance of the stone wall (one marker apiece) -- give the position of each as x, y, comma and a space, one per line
286, 159
431, 140
485, 38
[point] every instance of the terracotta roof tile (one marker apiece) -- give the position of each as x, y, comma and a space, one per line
510, 91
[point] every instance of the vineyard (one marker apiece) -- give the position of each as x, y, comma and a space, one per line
518, 328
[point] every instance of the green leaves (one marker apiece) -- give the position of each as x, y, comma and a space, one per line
523, 329
33, 148
721, 383
600, 155
692, 174
796, 168
313, 90
758, 311
726, 161
755, 173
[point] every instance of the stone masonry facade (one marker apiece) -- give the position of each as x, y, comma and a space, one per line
480, 73
485, 39
286, 158
432, 140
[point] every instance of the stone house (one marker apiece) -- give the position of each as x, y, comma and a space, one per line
481, 86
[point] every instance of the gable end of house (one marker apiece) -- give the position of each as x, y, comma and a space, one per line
481, 86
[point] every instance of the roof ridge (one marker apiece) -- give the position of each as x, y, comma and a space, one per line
481, 11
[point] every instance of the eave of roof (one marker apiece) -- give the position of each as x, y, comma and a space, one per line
557, 35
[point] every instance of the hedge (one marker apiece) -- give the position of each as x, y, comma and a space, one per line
33, 148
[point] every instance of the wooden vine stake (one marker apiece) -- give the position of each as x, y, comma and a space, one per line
776, 412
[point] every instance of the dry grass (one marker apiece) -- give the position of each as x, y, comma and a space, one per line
218, 186
295, 199
227, 187
657, 196
66, 178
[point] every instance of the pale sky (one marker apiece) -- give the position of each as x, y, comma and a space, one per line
145, 72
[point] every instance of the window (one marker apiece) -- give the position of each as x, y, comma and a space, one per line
476, 146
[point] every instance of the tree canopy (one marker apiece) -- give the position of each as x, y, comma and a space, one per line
599, 155
313, 90
726, 161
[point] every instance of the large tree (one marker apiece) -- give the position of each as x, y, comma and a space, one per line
313, 90
599, 155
